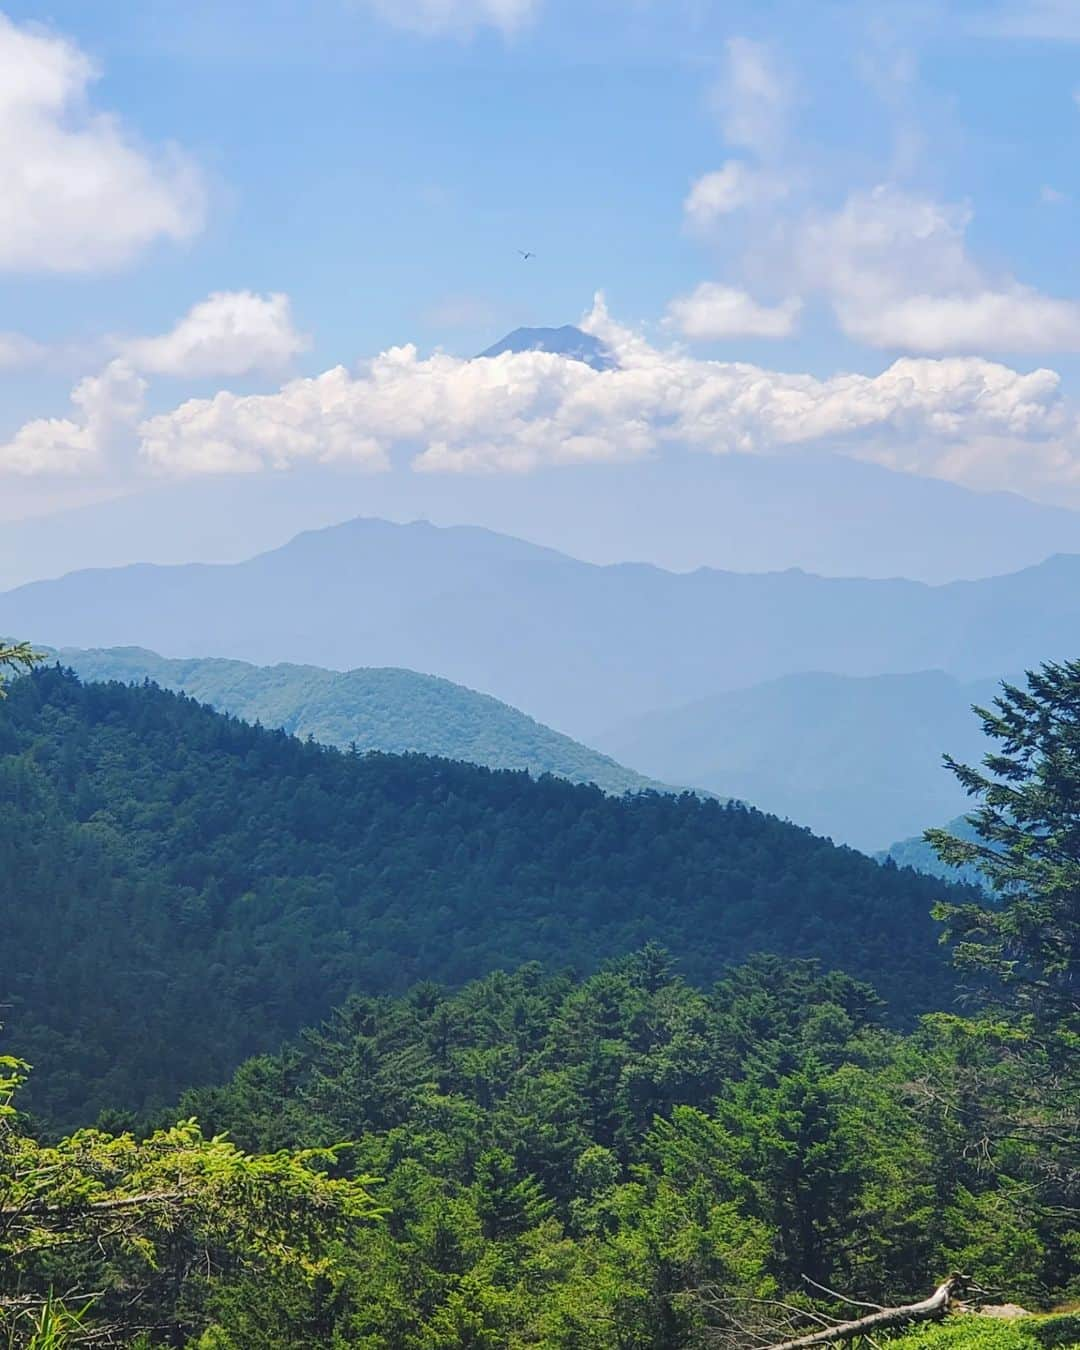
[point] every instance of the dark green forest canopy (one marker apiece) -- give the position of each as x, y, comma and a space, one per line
179, 890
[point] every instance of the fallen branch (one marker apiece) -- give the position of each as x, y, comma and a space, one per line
929, 1310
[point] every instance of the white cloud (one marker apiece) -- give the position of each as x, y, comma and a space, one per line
1052, 196
320, 419
78, 193
49, 445
897, 272
445, 16
105, 405
752, 97
965, 418
733, 187
714, 311
230, 333
1017, 319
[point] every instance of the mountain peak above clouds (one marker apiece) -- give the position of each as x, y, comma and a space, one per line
568, 341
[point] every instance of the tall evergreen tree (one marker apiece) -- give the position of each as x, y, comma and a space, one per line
1026, 940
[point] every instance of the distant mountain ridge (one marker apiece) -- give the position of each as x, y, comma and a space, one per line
856, 758
566, 341
680, 510
916, 853
393, 711
579, 647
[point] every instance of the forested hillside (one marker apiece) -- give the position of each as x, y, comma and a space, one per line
624, 1162
179, 889
397, 711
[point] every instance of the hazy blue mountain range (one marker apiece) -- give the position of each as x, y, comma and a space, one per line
396, 711
566, 341
680, 510
857, 759
577, 646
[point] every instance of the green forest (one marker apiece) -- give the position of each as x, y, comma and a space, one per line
237, 883
373, 708
376, 1051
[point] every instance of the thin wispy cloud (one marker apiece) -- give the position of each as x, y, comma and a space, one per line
436, 17
1046, 20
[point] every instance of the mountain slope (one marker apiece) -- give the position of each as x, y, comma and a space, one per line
566, 341
857, 759
395, 711
179, 889
577, 646
916, 852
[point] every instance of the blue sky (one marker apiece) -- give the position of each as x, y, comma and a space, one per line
874, 183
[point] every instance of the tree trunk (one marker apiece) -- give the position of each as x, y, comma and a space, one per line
929, 1310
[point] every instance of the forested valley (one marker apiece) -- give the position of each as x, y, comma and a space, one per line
315, 1049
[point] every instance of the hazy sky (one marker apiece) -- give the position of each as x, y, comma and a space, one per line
240, 236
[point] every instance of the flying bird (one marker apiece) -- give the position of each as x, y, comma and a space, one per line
526, 255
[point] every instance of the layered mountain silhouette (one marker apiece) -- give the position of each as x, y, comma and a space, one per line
393, 711
680, 509
580, 647
856, 758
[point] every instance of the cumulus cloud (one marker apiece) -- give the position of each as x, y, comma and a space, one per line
714, 311
103, 406
963, 417
79, 193
230, 333
733, 187
896, 268
447, 16
1017, 319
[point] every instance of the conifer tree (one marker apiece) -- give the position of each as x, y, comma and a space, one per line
1025, 940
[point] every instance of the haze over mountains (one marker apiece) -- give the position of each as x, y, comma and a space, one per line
680, 510
795, 671
856, 758
580, 647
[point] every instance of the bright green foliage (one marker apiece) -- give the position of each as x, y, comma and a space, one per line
379, 708
594, 1163
1027, 845
601, 1162
234, 884
16, 656
991, 1333
140, 1234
